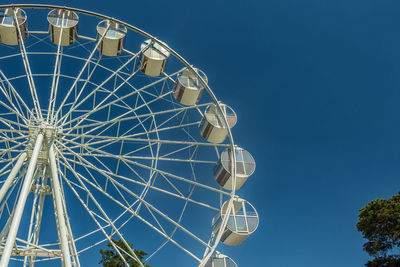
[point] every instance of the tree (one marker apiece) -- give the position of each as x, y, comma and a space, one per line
110, 258
379, 222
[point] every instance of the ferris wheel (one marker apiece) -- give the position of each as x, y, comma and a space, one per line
107, 133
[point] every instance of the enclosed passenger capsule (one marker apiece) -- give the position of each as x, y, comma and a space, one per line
113, 42
154, 58
245, 166
9, 33
220, 260
212, 126
188, 87
242, 222
63, 24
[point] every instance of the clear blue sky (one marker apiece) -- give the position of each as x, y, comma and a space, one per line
315, 85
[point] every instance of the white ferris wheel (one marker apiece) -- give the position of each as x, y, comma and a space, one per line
107, 133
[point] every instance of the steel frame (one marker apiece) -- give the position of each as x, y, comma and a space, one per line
75, 146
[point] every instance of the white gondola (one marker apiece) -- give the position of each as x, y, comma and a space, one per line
63, 24
114, 40
212, 126
9, 33
242, 222
220, 260
154, 58
245, 167
188, 87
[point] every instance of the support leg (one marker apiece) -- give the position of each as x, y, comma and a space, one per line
57, 195
12, 234
12, 175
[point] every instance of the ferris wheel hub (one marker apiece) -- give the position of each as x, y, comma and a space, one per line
49, 131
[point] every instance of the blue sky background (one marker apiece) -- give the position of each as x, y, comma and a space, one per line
315, 85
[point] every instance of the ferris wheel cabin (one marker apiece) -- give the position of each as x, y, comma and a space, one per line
212, 126
242, 222
113, 40
188, 87
245, 167
220, 260
154, 58
63, 24
9, 32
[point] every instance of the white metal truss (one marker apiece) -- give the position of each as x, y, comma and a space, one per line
110, 140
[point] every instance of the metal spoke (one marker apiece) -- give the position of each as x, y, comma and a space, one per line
105, 216
27, 66
123, 117
80, 178
65, 117
56, 75
16, 110
80, 73
106, 138
108, 174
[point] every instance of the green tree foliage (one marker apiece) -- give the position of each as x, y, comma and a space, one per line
110, 257
388, 261
379, 222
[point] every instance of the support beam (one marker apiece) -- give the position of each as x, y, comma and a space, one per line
35, 252
12, 234
12, 175
57, 195
37, 212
